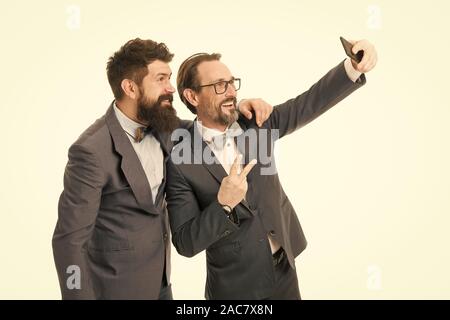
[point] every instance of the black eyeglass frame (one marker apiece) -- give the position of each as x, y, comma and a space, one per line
229, 82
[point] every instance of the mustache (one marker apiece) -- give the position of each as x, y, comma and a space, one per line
168, 97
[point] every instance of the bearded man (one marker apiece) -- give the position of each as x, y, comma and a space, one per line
111, 239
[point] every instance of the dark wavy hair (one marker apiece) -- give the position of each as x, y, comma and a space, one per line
131, 61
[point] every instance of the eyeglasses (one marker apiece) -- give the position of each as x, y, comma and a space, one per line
222, 86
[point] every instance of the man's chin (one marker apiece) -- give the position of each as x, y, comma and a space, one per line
161, 117
228, 110
229, 119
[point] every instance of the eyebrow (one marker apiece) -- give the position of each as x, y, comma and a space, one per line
223, 79
163, 74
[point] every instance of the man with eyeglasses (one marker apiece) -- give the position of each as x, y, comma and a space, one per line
111, 240
223, 201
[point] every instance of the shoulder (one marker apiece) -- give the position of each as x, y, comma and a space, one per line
94, 138
185, 124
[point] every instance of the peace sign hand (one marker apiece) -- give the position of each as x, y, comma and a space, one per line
234, 187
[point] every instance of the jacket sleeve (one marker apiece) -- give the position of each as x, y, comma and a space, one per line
193, 229
77, 211
324, 94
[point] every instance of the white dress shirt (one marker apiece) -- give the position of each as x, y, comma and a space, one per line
222, 143
148, 151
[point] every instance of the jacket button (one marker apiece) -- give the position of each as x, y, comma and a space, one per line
165, 236
227, 232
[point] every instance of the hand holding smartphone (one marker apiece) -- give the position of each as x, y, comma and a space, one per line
348, 50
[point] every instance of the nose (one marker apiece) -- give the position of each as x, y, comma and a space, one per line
231, 91
170, 88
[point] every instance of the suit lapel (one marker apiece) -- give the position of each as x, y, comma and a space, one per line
199, 148
248, 151
130, 165
164, 141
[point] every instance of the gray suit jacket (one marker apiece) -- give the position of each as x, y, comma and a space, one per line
239, 262
108, 225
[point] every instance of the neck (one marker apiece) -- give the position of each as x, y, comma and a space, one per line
212, 125
129, 108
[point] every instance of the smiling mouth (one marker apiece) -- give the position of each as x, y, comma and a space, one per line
228, 105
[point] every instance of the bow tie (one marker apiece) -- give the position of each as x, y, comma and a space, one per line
140, 133
223, 138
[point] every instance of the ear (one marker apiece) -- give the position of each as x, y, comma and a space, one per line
130, 88
191, 96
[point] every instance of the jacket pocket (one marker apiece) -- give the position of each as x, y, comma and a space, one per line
107, 242
224, 254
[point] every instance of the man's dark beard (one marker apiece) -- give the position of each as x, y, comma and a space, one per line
161, 118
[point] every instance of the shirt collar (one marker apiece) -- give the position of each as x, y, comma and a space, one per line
209, 134
126, 123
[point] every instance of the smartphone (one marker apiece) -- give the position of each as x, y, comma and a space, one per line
348, 50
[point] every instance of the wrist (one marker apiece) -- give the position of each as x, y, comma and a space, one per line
231, 214
223, 202
238, 105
